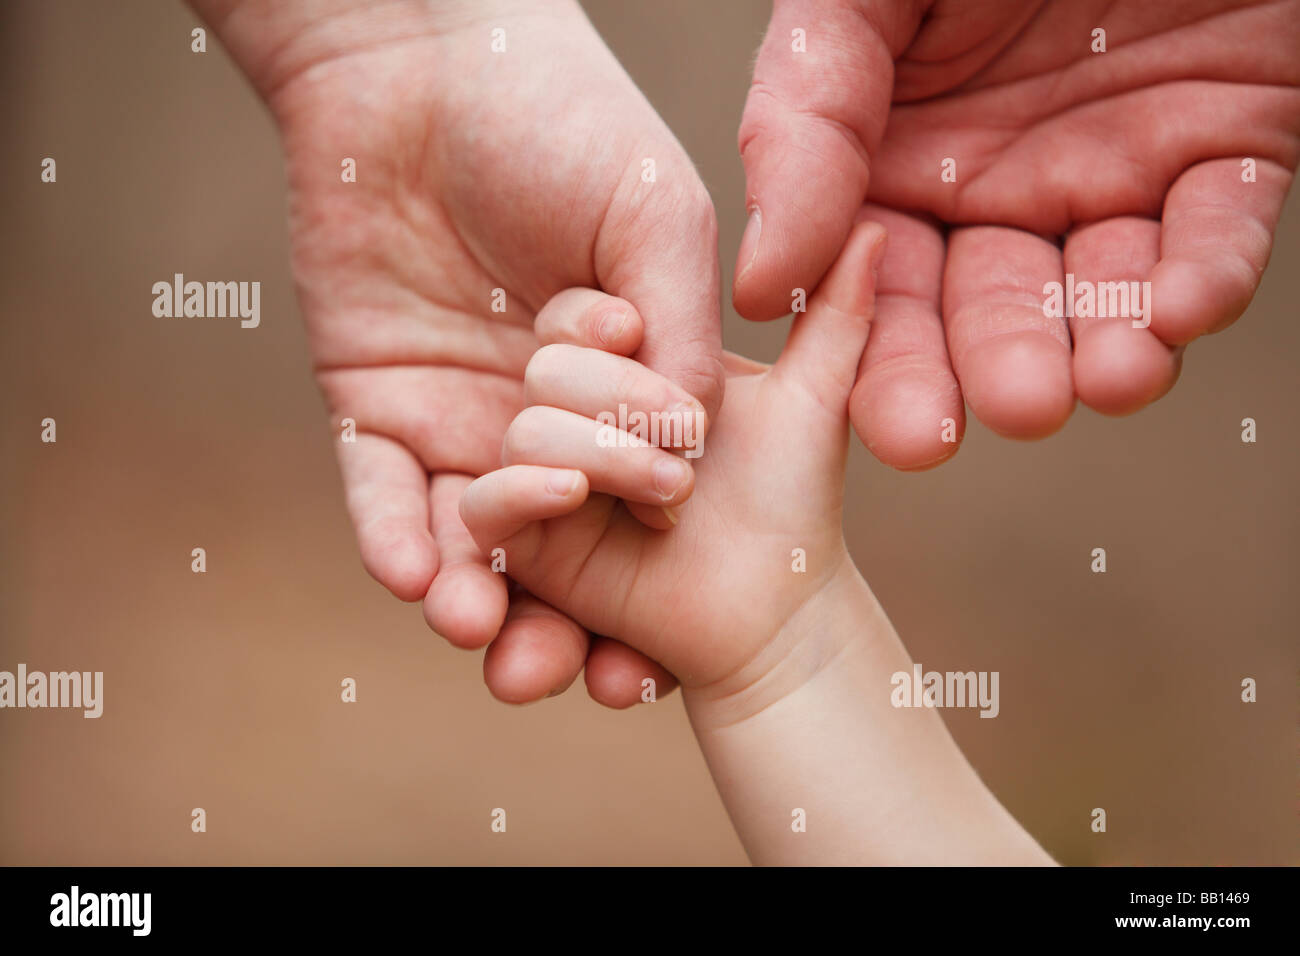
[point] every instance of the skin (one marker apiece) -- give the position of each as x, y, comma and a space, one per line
508, 182
786, 675
1117, 166
706, 598
526, 179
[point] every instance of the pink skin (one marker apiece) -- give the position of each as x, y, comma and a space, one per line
709, 598
1133, 156
463, 188
472, 175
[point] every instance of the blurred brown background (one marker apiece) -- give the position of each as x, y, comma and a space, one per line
1119, 691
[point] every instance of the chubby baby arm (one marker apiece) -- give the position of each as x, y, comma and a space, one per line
786, 673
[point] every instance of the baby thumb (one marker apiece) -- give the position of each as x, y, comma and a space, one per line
826, 342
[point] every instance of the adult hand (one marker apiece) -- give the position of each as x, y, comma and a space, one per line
1132, 156
501, 154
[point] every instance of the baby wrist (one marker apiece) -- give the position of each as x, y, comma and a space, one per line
841, 613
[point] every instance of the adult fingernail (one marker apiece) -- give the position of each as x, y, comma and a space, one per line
671, 475
749, 241
562, 483
611, 326
672, 514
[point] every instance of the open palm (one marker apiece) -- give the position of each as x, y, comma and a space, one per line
1111, 166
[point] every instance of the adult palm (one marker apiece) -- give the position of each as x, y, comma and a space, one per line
496, 162
1127, 164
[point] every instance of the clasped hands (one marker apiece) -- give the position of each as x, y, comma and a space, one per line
500, 205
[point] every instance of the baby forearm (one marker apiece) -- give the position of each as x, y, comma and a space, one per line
818, 734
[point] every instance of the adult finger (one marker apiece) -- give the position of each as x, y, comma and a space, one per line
538, 653
658, 249
619, 676
906, 406
467, 601
1118, 368
1215, 239
816, 109
387, 492
1011, 358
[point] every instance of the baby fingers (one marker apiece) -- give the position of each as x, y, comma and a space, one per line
614, 461
618, 390
590, 318
502, 503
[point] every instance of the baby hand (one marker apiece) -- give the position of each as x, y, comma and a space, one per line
762, 531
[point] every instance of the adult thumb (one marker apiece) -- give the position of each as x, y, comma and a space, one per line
815, 112
826, 342
660, 253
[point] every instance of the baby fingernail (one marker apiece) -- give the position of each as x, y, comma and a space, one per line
672, 514
611, 327
671, 474
562, 483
